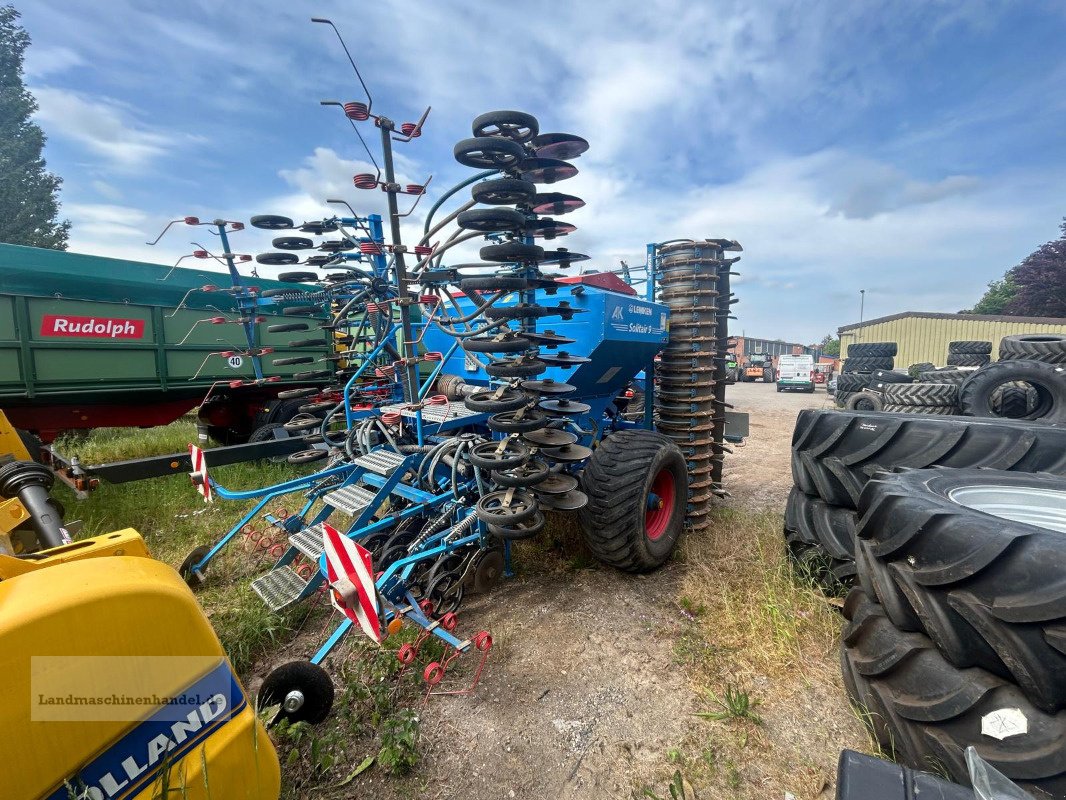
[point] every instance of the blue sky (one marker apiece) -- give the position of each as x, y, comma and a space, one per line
915, 150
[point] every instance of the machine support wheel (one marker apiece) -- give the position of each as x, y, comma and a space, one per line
637, 485
194, 557
302, 691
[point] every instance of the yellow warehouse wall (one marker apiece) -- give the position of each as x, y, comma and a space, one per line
926, 338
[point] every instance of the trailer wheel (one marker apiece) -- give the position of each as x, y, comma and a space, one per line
637, 485
302, 691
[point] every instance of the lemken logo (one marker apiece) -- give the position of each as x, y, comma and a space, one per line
161, 740
91, 327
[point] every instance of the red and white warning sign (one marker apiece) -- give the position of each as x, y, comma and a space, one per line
350, 573
199, 473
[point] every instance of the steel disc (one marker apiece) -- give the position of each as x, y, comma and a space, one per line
565, 406
571, 501
556, 203
563, 359
548, 386
559, 145
548, 339
546, 170
489, 570
549, 437
567, 454
548, 228
562, 256
556, 483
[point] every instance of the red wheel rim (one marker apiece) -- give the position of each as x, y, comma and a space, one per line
661, 500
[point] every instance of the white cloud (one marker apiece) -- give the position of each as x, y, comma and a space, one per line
103, 126
44, 61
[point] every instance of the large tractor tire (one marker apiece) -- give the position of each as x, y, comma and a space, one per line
946, 375
969, 348
821, 540
922, 394
1047, 347
872, 350
853, 381
929, 712
637, 485
834, 453
978, 394
968, 359
867, 363
976, 560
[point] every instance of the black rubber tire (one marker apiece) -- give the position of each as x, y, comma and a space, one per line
488, 152
504, 422
956, 376
942, 411
315, 375
618, 480
271, 222
883, 376
290, 394
914, 370
511, 251
864, 401
1048, 380
834, 453
1012, 401
298, 277
821, 540
307, 456
529, 368
968, 359
517, 126
867, 363
185, 569
841, 398
969, 348
1047, 347
484, 455
483, 402
529, 474
281, 362
493, 283
853, 381
285, 327
986, 589
503, 192
523, 506
307, 343
768, 376
310, 679
922, 394
523, 530
296, 311
929, 712
265, 433
490, 220
872, 350
280, 259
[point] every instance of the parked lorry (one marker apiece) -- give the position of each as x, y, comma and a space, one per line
88, 342
795, 373
759, 367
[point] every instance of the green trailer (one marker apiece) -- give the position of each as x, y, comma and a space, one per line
88, 342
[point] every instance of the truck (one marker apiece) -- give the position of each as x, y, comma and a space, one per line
759, 367
795, 373
89, 342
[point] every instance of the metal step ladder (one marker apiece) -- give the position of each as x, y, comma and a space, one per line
310, 541
349, 499
280, 588
381, 462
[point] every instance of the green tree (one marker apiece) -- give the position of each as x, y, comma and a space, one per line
29, 194
996, 298
1040, 281
830, 345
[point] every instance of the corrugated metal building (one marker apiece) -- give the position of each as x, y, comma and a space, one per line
924, 336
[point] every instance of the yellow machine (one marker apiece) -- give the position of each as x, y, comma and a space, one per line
114, 683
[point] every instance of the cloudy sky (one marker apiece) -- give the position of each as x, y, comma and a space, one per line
915, 150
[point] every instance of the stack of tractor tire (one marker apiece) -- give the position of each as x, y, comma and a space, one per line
860, 370
956, 625
693, 277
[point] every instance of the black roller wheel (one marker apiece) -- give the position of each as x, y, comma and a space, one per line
444, 589
282, 362
197, 554
271, 222
493, 400
496, 508
508, 343
520, 530
488, 152
307, 343
296, 311
493, 283
637, 485
302, 691
532, 472
490, 220
515, 125
488, 455
285, 327
292, 243
517, 421
306, 456
503, 192
298, 277
511, 251
277, 259
516, 368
